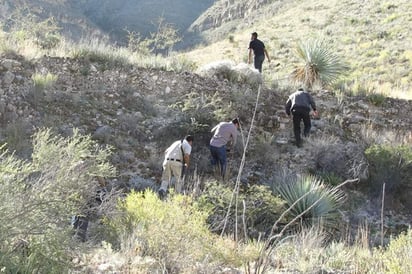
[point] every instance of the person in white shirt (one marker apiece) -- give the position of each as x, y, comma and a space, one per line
177, 158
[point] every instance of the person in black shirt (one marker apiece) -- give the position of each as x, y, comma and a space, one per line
299, 104
259, 51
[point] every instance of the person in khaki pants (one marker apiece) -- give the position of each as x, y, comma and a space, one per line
177, 158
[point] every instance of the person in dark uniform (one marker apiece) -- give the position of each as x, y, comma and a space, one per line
259, 51
299, 104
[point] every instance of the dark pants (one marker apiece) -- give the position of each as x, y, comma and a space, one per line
80, 224
258, 62
219, 157
300, 114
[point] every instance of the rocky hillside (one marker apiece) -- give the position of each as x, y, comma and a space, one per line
140, 112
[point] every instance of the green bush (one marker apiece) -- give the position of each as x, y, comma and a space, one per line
175, 234
390, 165
397, 258
25, 26
38, 198
254, 211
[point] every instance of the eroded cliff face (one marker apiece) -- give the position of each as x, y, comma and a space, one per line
224, 11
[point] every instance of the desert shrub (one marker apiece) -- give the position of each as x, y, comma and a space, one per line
159, 42
226, 69
263, 147
392, 165
17, 135
175, 234
397, 256
337, 159
340, 257
310, 251
311, 201
39, 197
25, 27
254, 211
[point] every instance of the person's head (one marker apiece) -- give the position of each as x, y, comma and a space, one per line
236, 122
189, 139
303, 89
254, 35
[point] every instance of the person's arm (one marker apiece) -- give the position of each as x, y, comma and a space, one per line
186, 159
249, 59
287, 106
267, 55
313, 105
213, 129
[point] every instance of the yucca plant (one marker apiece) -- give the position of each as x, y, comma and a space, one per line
320, 65
311, 200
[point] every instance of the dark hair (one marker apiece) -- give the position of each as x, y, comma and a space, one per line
235, 121
189, 138
255, 34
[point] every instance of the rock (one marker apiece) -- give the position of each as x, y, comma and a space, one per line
8, 78
103, 133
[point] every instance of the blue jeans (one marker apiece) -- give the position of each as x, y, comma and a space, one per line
219, 157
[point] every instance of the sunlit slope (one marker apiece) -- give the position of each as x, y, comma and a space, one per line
373, 37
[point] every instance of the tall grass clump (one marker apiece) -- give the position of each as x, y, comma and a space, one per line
38, 198
43, 81
175, 234
320, 65
97, 51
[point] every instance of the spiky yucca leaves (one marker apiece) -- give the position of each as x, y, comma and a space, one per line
320, 65
311, 200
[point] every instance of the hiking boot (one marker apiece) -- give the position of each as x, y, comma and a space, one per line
162, 194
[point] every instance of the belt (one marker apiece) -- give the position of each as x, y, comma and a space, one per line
171, 159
